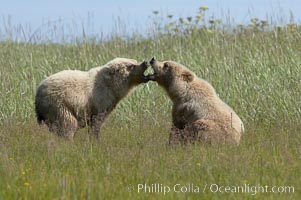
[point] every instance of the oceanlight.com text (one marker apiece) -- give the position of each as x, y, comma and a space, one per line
206, 188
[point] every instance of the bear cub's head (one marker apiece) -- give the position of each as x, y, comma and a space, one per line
169, 71
128, 69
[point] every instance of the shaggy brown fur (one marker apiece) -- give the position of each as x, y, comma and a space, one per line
198, 113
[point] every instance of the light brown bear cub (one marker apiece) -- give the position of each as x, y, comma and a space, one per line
72, 99
198, 113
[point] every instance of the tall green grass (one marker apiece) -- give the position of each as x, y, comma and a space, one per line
255, 68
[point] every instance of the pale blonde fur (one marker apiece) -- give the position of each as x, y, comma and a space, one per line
71, 99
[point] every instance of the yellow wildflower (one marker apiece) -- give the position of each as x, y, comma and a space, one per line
26, 184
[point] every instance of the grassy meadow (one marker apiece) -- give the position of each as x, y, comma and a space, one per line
255, 68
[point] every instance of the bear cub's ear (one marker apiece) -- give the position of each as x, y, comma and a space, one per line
187, 76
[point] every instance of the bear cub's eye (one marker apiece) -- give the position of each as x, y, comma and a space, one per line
165, 66
131, 67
